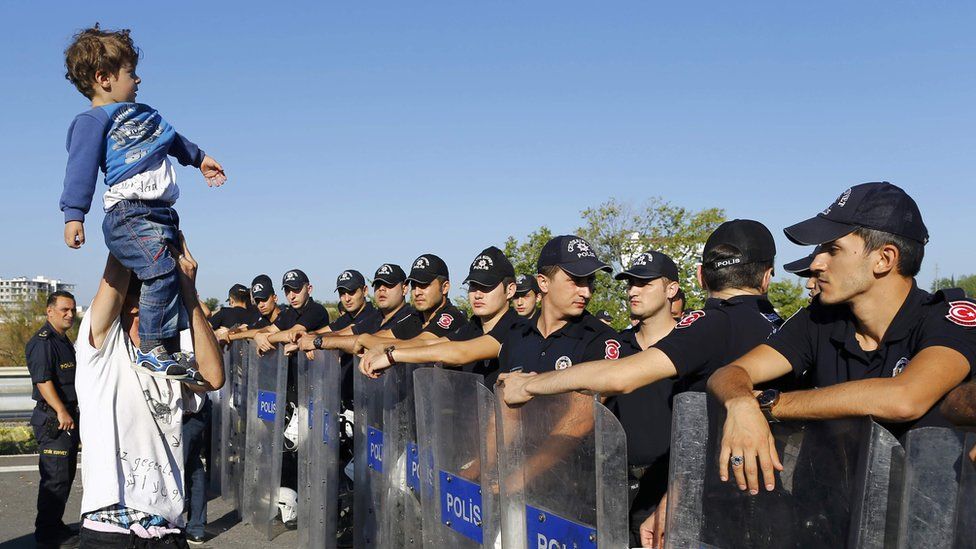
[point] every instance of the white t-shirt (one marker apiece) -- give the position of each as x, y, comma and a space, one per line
131, 429
157, 183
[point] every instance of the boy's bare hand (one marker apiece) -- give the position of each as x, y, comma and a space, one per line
213, 172
74, 234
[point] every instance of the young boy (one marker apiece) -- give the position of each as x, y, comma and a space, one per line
130, 143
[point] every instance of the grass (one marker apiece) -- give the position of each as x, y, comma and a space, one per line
17, 439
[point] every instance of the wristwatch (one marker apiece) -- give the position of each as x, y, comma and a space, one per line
389, 354
317, 342
767, 399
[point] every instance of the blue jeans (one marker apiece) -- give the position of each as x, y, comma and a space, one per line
138, 232
195, 428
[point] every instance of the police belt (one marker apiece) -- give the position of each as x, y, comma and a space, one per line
48, 409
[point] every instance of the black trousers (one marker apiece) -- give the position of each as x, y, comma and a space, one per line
58, 461
90, 539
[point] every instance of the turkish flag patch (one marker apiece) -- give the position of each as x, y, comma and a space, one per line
962, 313
689, 319
445, 321
612, 350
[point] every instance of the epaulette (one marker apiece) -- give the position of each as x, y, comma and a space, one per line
44, 334
947, 295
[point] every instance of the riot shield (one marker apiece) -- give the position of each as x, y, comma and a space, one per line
324, 373
304, 410
214, 457
368, 460
233, 421
262, 460
834, 490
562, 466
934, 459
401, 513
966, 501
458, 480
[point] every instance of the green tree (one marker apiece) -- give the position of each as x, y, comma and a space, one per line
788, 297
524, 255
212, 303
966, 282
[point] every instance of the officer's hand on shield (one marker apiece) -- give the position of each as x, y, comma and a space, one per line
65, 421
222, 334
373, 363
307, 342
264, 346
748, 446
652, 529
310, 355
295, 336
290, 349
514, 384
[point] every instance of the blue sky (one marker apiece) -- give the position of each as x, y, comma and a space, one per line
354, 134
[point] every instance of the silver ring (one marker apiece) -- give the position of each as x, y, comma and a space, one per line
736, 461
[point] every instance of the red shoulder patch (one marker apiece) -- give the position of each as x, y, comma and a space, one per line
612, 351
962, 313
445, 321
689, 319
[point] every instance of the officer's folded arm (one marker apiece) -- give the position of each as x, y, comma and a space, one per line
737, 380
450, 353
931, 374
959, 405
607, 377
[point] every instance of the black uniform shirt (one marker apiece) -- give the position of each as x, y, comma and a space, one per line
446, 320
51, 357
819, 342
229, 317
406, 323
488, 368
312, 316
582, 339
366, 322
645, 414
259, 321
707, 339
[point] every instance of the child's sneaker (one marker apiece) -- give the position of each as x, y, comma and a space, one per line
193, 376
158, 363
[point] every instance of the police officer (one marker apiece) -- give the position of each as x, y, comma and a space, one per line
526, 295
266, 302
873, 342
801, 268
303, 315
237, 313
51, 361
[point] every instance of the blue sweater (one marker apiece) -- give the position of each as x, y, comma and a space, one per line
121, 139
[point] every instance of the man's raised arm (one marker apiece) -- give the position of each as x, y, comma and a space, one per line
209, 360
107, 305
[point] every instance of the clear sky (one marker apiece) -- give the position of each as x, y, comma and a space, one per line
354, 134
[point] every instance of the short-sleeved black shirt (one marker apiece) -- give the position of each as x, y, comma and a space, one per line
260, 321
707, 339
819, 342
312, 316
406, 323
489, 368
229, 317
582, 339
645, 414
366, 322
51, 357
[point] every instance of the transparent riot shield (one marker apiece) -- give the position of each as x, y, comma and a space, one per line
934, 459
323, 444
966, 500
368, 460
233, 421
458, 478
304, 411
834, 491
401, 514
265, 422
214, 457
562, 473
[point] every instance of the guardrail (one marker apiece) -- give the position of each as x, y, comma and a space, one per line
15, 393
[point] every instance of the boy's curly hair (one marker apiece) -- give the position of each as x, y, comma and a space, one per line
93, 50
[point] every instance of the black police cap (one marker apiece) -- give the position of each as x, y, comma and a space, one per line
238, 292
490, 268
800, 267
880, 206
751, 241
351, 280
390, 274
426, 268
571, 254
525, 284
650, 265
294, 279
262, 288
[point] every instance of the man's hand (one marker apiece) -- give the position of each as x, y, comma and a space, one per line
307, 342
74, 234
293, 337
652, 529
746, 439
65, 421
261, 340
185, 262
223, 334
515, 393
213, 172
373, 363
290, 349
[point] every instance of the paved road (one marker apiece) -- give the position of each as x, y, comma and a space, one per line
18, 495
